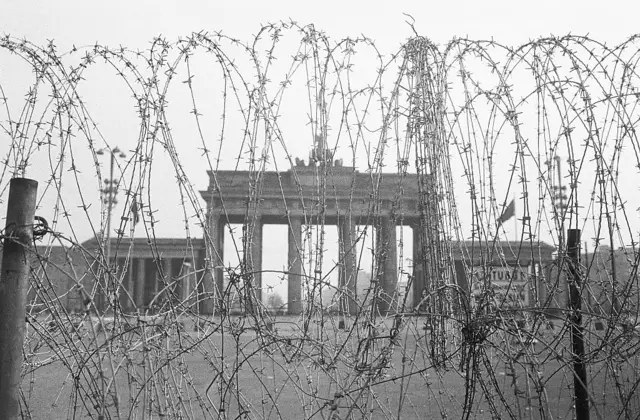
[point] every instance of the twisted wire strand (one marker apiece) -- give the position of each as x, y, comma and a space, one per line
474, 124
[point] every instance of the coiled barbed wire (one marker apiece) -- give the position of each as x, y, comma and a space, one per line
474, 123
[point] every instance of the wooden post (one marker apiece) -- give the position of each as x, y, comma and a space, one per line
13, 290
575, 319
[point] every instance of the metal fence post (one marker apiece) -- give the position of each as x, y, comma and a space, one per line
575, 319
18, 238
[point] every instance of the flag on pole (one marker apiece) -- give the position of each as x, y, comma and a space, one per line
508, 212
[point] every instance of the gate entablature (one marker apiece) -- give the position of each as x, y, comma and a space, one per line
299, 192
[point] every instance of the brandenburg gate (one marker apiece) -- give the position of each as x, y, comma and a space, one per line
320, 192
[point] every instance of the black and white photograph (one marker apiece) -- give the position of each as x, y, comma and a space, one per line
332, 210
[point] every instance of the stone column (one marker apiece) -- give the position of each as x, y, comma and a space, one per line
188, 279
386, 250
129, 286
202, 273
213, 280
347, 255
294, 279
123, 275
166, 280
533, 284
139, 279
255, 255
418, 266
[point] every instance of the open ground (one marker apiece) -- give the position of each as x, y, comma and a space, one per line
234, 368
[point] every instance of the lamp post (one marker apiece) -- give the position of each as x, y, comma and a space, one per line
559, 200
110, 191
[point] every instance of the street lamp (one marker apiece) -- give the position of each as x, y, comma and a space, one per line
559, 199
560, 205
110, 191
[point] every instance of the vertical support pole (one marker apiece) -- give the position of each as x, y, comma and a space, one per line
294, 279
13, 290
347, 278
575, 319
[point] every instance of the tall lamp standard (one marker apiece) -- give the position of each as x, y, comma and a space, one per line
560, 200
110, 191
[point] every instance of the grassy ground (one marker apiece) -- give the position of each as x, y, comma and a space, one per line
285, 372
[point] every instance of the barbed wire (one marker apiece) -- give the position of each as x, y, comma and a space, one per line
473, 125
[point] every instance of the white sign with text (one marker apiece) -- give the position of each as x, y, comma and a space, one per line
509, 285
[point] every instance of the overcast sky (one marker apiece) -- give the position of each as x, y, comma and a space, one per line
134, 23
